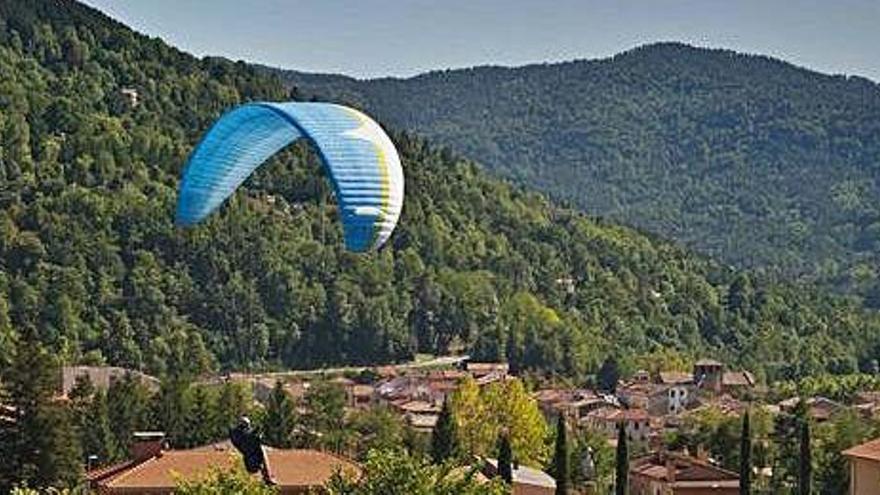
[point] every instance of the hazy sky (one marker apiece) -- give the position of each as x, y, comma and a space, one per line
368, 38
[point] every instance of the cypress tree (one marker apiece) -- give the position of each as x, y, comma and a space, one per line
805, 466
560, 457
622, 458
279, 419
443, 438
609, 374
505, 458
745, 457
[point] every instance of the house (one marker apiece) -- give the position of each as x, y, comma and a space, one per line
864, 468
420, 415
155, 470
668, 473
526, 480
131, 95
708, 375
574, 403
679, 390
102, 377
819, 408
607, 420
651, 397
478, 370
737, 381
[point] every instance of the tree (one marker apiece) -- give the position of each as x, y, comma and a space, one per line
394, 472
279, 418
201, 418
621, 478
42, 442
96, 434
560, 457
609, 374
501, 406
805, 460
377, 428
505, 458
443, 438
127, 404
324, 419
170, 409
233, 402
225, 481
475, 431
745, 457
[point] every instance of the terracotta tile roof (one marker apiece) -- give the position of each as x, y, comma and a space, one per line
159, 474
418, 406
103, 472
675, 377
483, 368
614, 414
868, 450
737, 379
688, 471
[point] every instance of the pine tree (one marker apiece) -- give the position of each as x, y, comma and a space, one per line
91, 418
560, 457
201, 418
41, 439
96, 434
622, 468
169, 409
745, 457
505, 458
443, 438
805, 464
127, 410
232, 404
279, 420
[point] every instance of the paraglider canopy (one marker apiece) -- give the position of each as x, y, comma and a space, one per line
360, 158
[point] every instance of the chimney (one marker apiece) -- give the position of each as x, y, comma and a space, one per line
147, 444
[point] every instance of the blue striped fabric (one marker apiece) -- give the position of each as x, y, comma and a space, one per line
363, 165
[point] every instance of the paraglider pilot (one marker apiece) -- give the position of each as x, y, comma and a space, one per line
248, 442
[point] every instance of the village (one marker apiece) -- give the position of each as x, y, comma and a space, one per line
649, 407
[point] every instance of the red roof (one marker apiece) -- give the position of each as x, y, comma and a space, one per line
868, 450
294, 470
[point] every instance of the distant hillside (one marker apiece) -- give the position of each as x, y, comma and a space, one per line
746, 158
91, 263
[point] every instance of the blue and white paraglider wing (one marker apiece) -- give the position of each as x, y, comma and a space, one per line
363, 164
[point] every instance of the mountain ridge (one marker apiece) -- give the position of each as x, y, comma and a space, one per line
657, 45
674, 139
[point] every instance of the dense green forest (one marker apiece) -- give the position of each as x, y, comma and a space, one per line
748, 159
91, 263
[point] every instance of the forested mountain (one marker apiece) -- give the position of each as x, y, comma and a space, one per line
91, 262
748, 159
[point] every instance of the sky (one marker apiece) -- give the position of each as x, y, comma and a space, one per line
375, 38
